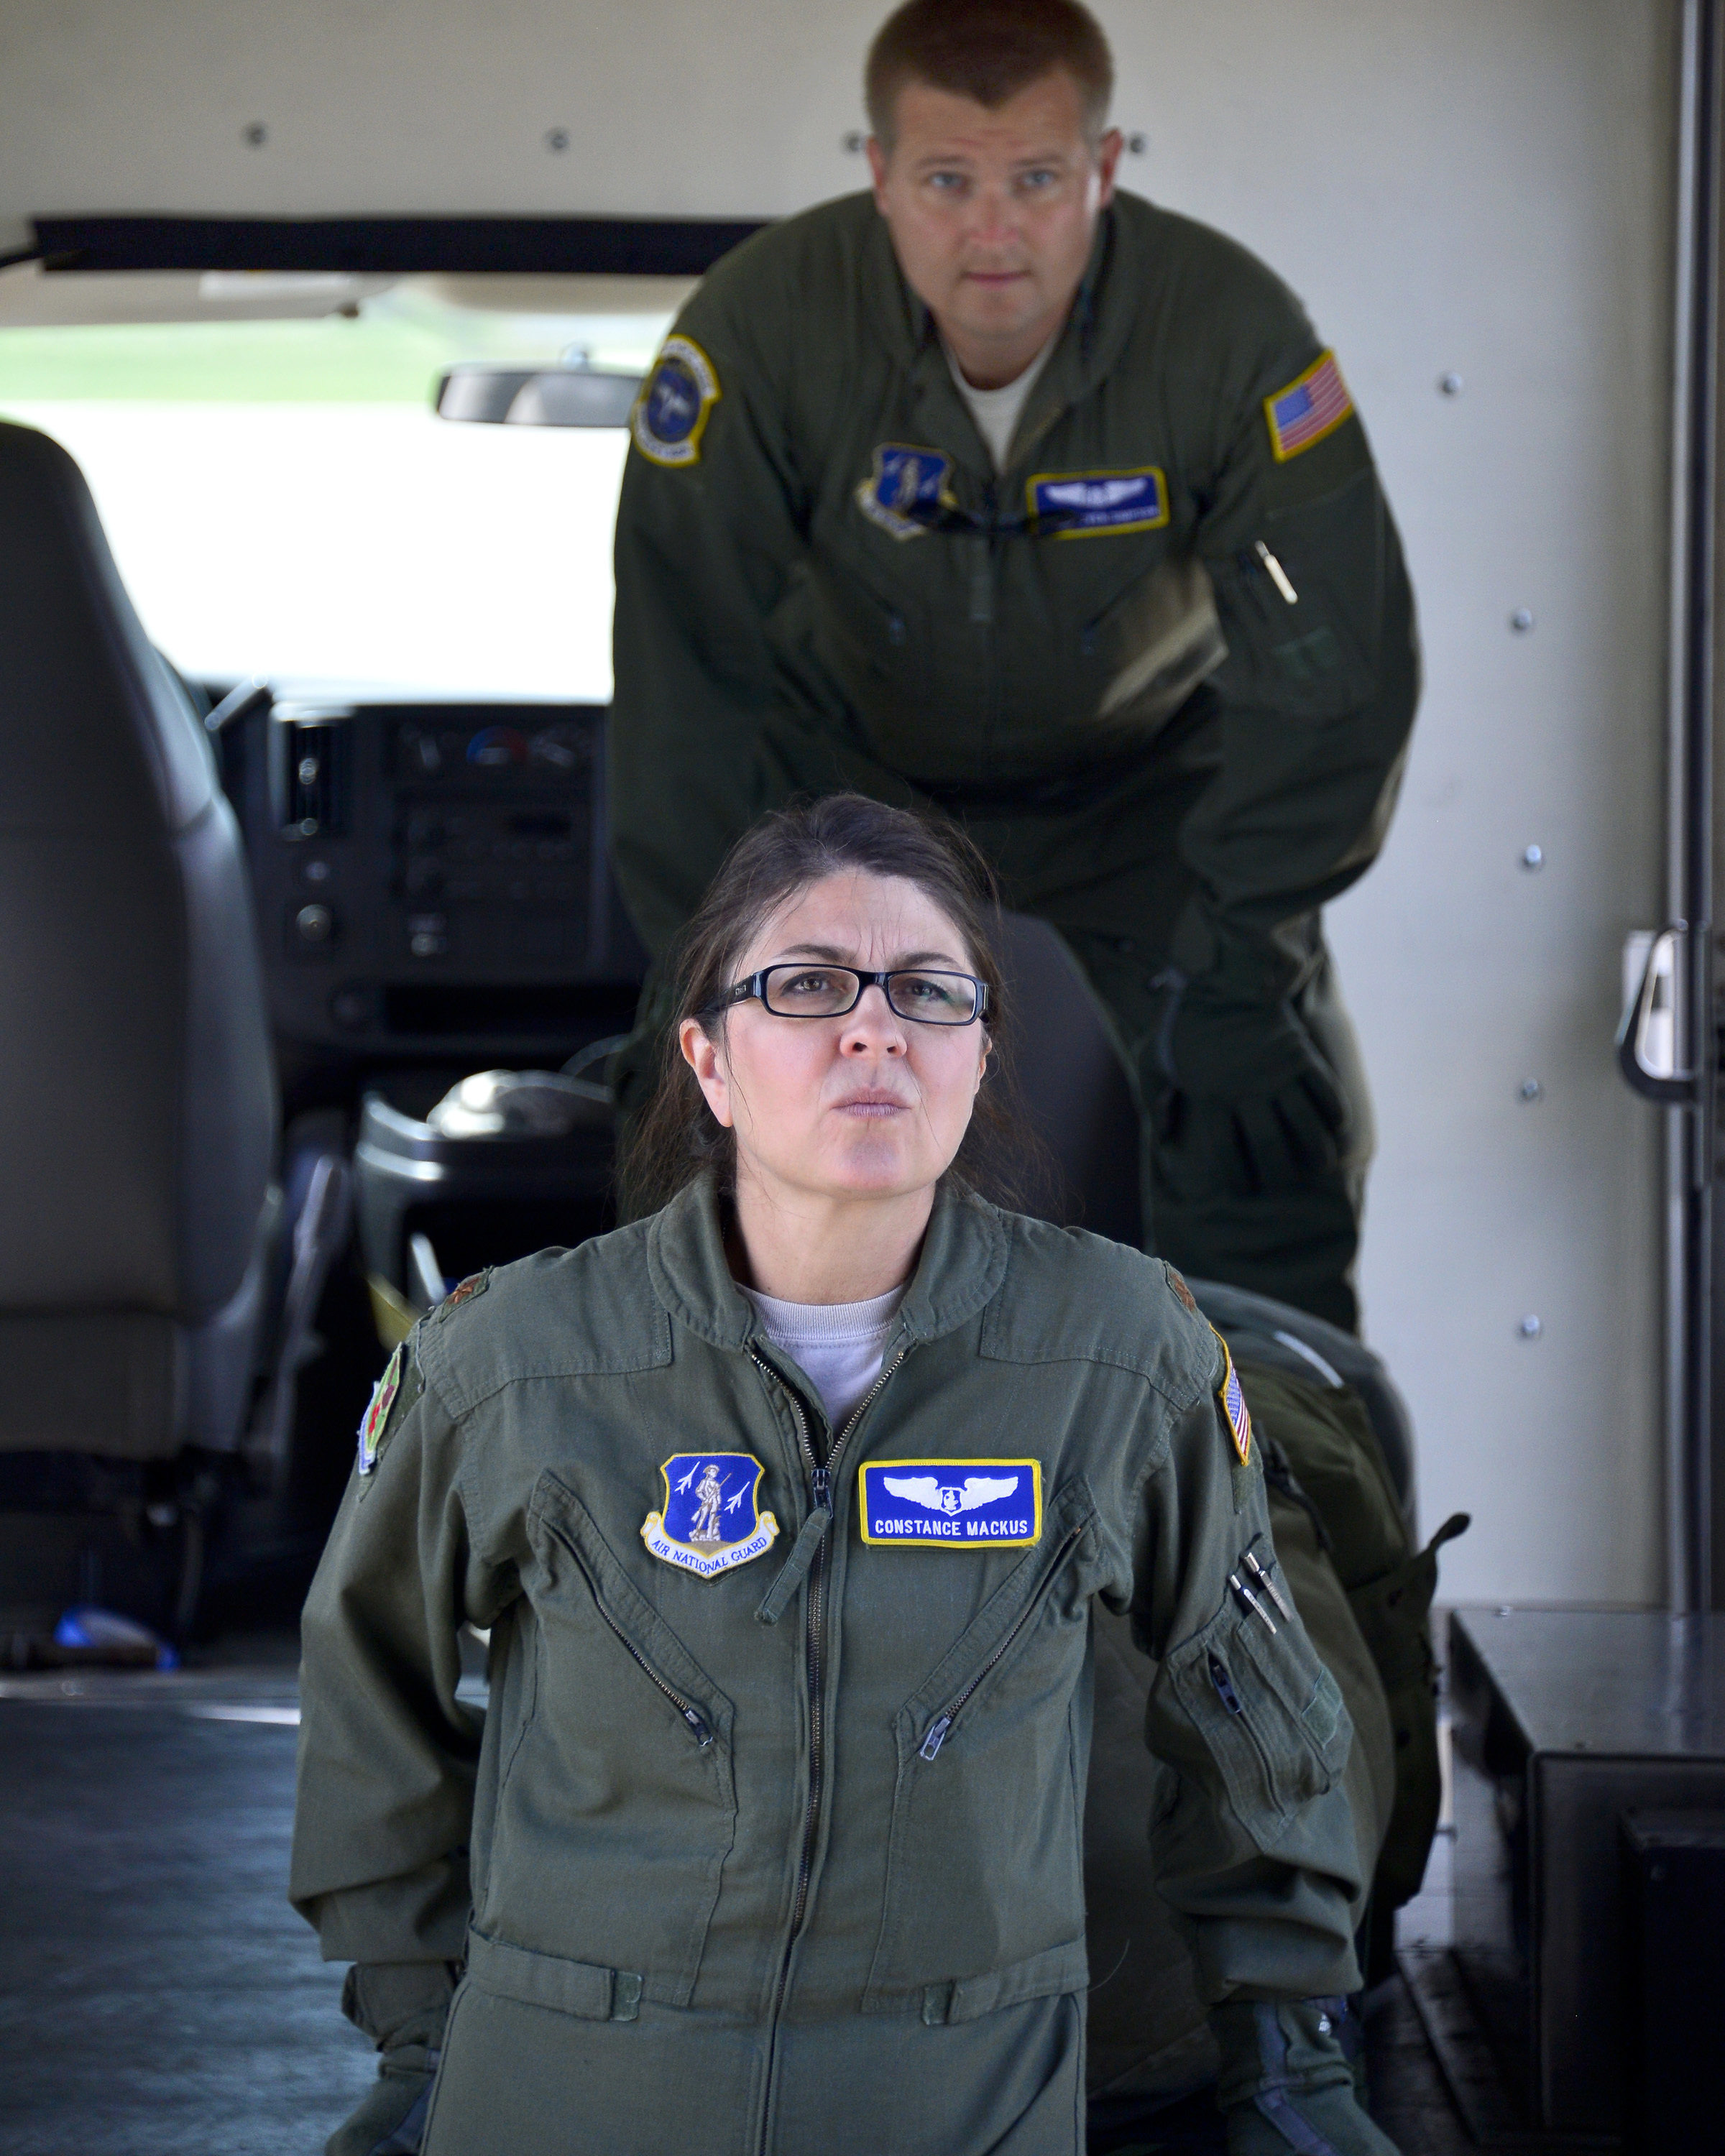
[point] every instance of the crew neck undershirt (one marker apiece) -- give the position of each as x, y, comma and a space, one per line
997, 411
840, 1345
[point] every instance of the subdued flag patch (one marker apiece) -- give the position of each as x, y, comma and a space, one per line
1310, 408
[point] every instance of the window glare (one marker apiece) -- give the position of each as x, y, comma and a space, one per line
281, 499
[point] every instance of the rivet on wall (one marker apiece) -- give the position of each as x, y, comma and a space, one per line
557, 139
1530, 1328
255, 135
1532, 857
1521, 620
1451, 385
1530, 1089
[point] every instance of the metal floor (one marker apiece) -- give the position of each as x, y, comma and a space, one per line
159, 1997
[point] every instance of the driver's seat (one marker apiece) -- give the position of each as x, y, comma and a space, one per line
138, 1104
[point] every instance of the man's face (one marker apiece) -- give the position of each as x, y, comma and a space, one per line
993, 212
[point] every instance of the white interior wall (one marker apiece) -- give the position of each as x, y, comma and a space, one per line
1479, 187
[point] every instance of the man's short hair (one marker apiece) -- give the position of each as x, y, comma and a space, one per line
987, 50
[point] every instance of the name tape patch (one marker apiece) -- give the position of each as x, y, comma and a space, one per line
671, 414
1312, 406
1076, 505
711, 1520
906, 490
951, 1504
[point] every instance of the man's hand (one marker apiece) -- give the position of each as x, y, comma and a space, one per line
1285, 2083
1246, 1102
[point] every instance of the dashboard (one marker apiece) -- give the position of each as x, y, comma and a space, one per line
431, 880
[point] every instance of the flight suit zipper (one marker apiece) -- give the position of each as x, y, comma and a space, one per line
939, 1729
691, 1714
820, 1480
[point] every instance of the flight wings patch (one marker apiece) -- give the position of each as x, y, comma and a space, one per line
1076, 505
966, 1504
1234, 1406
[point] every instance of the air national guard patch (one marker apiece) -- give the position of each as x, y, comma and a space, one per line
1310, 408
711, 1520
671, 413
951, 1504
377, 1416
906, 490
1077, 505
1234, 1406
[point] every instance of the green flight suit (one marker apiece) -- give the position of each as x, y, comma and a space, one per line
790, 1857
823, 583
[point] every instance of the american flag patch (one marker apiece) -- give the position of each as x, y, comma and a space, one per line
1308, 409
1234, 1406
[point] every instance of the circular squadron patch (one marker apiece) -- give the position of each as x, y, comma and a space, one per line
669, 414
711, 1520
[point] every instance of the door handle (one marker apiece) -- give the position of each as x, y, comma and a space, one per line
1667, 951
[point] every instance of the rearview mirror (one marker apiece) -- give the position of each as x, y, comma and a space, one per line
553, 397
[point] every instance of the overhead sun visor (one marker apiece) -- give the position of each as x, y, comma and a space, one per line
384, 246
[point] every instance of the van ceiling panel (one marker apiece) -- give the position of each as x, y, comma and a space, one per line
329, 108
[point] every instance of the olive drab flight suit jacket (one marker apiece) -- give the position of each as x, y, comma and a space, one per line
821, 579
780, 1795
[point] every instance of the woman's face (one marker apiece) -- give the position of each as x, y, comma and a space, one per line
868, 1105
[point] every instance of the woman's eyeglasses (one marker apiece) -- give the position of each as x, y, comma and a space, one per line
925, 998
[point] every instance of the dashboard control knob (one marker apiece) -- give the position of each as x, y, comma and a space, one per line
316, 924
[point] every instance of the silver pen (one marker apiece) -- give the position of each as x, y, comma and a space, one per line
1268, 1585
1278, 575
1247, 1595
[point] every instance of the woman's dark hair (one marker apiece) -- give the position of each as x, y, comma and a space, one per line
676, 1135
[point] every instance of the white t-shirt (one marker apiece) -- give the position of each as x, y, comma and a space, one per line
996, 411
840, 1345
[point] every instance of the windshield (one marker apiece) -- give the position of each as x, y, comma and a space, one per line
282, 499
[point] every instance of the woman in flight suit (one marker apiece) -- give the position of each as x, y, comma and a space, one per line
771, 1841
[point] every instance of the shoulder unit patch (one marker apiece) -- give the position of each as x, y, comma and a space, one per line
1314, 404
671, 414
1234, 1406
377, 1416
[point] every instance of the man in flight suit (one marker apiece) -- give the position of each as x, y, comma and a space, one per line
1006, 493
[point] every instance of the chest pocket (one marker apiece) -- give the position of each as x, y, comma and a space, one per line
1319, 656
618, 1807
985, 1875
1270, 1716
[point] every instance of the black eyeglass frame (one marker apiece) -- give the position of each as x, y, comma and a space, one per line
756, 985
